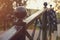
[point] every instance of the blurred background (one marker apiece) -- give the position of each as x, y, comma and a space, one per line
7, 7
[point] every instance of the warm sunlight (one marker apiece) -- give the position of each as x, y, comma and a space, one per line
38, 4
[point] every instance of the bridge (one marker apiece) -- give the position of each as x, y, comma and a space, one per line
13, 34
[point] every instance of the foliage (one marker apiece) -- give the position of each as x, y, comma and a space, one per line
58, 15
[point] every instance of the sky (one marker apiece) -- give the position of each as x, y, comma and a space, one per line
38, 4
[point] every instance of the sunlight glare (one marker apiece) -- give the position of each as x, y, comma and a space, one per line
38, 4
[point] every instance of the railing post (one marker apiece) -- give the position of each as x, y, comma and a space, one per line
20, 14
44, 23
21, 33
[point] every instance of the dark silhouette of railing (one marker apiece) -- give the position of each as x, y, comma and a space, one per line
13, 34
21, 33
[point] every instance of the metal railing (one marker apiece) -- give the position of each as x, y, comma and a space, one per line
14, 34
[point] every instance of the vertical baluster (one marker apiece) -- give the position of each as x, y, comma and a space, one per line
40, 29
44, 23
33, 33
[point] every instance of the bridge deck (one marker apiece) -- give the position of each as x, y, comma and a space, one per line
13, 30
8, 34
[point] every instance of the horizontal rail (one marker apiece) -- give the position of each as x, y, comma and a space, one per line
34, 16
11, 32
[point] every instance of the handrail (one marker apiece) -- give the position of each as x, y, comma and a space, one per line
34, 16
28, 21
